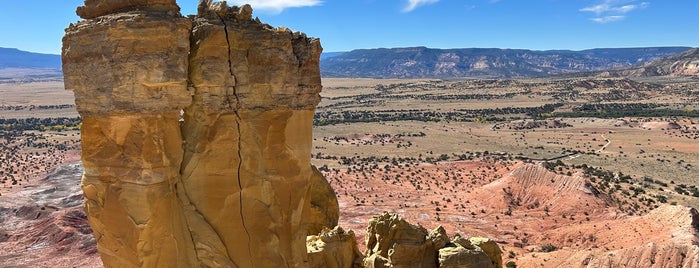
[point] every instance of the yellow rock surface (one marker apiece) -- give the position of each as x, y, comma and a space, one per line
197, 141
96, 8
325, 209
333, 249
489, 247
229, 186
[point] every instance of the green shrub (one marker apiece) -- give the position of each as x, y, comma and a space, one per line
548, 248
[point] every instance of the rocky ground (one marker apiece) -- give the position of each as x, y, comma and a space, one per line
44, 225
539, 218
475, 178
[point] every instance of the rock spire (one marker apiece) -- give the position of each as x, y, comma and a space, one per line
227, 186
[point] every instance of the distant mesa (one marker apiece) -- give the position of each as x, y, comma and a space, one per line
15, 58
422, 62
685, 63
327, 55
16, 65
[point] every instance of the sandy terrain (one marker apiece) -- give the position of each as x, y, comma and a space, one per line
598, 191
524, 207
44, 225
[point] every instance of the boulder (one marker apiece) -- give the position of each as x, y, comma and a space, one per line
439, 237
457, 256
489, 247
399, 242
333, 249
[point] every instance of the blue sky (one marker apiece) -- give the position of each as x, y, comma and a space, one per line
343, 25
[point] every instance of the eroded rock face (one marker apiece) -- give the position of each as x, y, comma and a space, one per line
333, 249
399, 242
461, 257
394, 242
230, 185
96, 8
490, 248
130, 91
248, 134
197, 142
325, 209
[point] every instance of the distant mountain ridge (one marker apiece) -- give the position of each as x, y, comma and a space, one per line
15, 58
17, 65
422, 62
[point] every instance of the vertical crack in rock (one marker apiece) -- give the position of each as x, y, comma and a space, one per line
133, 68
238, 121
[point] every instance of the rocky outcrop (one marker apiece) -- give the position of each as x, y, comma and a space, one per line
325, 209
129, 91
95, 8
489, 247
227, 187
333, 249
247, 134
197, 140
458, 256
532, 186
394, 242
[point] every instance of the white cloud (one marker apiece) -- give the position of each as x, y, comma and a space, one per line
276, 6
413, 4
607, 19
613, 10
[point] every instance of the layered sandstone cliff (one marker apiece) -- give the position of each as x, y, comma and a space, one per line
229, 186
197, 142
129, 91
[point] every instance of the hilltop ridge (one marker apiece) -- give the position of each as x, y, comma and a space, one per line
423, 62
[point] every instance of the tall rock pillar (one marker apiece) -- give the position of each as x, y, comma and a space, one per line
248, 135
127, 64
230, 185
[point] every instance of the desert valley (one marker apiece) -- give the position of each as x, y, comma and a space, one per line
560, 172
515, 158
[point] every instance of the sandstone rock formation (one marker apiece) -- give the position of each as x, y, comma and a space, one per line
247, 134
230, 185
197, 140
490, 248
393, 242
333, 249
458, 256
325, 209
129, 91
96, 8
